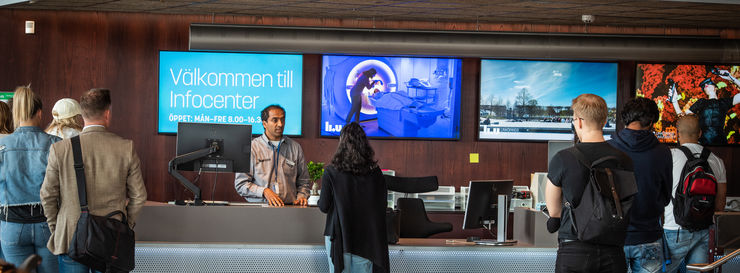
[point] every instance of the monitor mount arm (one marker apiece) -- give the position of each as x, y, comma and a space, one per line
185, 158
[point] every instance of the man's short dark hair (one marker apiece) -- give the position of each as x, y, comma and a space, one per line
94, 102
266, 112
640, 109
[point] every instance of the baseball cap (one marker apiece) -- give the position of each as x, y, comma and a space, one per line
705, 82
65, 108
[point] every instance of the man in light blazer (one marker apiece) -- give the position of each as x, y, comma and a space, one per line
112, 173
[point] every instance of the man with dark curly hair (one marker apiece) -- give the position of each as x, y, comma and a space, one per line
653, 171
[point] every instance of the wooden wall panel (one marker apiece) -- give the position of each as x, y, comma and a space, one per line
75, 51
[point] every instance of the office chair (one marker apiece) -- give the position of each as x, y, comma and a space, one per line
414, 220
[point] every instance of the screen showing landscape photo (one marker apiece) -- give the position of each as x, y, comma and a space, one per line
392, 97
711, 92
530, 100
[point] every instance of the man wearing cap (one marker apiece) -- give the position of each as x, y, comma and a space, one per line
711, 110
67, 120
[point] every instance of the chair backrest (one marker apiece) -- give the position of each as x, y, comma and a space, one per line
411, 184
414, 220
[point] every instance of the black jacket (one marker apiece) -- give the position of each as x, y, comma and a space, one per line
355, 220
653, 172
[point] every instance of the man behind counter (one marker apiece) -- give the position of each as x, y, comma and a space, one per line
278, 173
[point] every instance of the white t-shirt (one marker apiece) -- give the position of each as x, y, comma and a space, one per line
679, 160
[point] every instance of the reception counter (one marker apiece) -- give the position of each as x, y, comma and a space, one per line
289, 239
253, 224
410, 255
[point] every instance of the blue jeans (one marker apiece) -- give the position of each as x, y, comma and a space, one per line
645, 258
687, 247
67, 265
1, 247
20, 240
352, 263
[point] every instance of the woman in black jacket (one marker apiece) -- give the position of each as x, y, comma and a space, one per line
353, 195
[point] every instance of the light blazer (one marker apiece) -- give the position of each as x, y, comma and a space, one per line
112, 172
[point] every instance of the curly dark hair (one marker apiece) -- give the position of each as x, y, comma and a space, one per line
354, 154
640, 109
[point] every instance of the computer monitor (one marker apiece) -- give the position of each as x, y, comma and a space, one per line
538, 186
554, 146
482, 209
234, 142
210, 147
482, 204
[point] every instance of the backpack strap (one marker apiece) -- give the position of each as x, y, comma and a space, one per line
590, 164
79, 172
580, 156
615, 196
705, 154
689, 155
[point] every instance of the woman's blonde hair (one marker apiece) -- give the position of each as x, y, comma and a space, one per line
60, 124
25, 105
6, 119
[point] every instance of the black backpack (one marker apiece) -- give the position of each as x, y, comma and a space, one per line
602, 215
693, 203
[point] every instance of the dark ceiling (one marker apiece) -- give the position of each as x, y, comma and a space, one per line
667, 13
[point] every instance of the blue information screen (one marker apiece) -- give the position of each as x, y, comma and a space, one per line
231, 88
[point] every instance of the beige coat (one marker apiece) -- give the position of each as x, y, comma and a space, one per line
112, 172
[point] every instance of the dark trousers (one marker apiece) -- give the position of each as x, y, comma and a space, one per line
355, 110
578, 256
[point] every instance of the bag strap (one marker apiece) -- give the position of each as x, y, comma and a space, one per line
705, 154
615, 196
689, 155
580, 156
589, 164
79, 172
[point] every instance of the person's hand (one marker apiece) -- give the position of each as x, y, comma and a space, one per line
301, 201
272, 198
672, 93
724, 74
553, 224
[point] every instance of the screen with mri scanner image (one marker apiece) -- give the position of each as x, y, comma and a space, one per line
392, 97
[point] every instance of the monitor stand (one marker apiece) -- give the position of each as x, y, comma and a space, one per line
189, 157
501, 226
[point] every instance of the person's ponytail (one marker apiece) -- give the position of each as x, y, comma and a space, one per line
25, 105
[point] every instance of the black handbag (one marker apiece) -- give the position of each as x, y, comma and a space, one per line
102, 243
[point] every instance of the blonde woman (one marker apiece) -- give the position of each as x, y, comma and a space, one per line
23, 159
67, 120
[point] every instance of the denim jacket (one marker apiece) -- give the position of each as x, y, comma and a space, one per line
287, 177
23, 157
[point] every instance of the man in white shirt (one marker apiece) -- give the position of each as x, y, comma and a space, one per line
686, 246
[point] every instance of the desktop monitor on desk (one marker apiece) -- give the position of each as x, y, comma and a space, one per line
487, 205
210, 147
